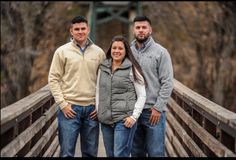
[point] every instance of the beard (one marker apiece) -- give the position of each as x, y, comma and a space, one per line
142, 39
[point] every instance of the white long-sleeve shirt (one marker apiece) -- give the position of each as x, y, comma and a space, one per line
140, 91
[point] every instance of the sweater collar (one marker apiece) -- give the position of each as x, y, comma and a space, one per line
87, 44
145, 45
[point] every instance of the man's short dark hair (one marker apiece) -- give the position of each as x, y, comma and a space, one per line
79, 19
142, 18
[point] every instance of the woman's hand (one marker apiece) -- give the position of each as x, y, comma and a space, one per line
129, 122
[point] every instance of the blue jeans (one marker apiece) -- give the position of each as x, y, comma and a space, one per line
69, 130
149, 140
118, 139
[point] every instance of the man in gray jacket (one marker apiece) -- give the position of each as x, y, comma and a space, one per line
156, 65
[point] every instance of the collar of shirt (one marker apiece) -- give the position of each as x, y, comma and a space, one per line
82, 49
144, 44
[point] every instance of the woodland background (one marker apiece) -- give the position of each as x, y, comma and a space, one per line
200, 37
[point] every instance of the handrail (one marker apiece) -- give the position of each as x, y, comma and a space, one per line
28, 122
197, 121
192, 98
20, 109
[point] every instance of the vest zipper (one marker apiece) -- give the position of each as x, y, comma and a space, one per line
111, 96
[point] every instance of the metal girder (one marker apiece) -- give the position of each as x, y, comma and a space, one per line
104, 11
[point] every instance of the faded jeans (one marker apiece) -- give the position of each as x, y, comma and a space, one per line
118, 139
69, 130
149, 140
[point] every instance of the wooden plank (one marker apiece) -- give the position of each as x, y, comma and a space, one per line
232, 123
52, 148
175, 142
214, 145
34, 152
19, 142
235, 146
192, 146
170, 150
179, 148
57, 152
210, 107
14, 121
18, 108
166, 155
169, 132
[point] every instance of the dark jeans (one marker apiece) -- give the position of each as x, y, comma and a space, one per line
149, 140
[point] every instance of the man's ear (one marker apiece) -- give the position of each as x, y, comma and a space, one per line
71, 30
88, 29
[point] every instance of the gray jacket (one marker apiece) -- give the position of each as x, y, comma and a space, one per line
117, 96
156, 64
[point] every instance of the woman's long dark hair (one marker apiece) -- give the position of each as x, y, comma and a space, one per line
128, 55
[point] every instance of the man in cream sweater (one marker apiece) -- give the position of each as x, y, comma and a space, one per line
72, 81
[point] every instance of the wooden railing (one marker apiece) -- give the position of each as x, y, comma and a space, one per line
29, 126
196, 127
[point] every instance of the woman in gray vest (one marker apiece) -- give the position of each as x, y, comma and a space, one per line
120, 97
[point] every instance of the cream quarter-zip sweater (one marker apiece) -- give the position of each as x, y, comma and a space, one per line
73, 74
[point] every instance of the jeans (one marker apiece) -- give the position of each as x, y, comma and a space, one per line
118, 139
149, 140
69, 130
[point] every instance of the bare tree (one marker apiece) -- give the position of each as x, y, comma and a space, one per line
19, 22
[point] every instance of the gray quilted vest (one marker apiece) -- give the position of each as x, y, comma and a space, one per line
117, 95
